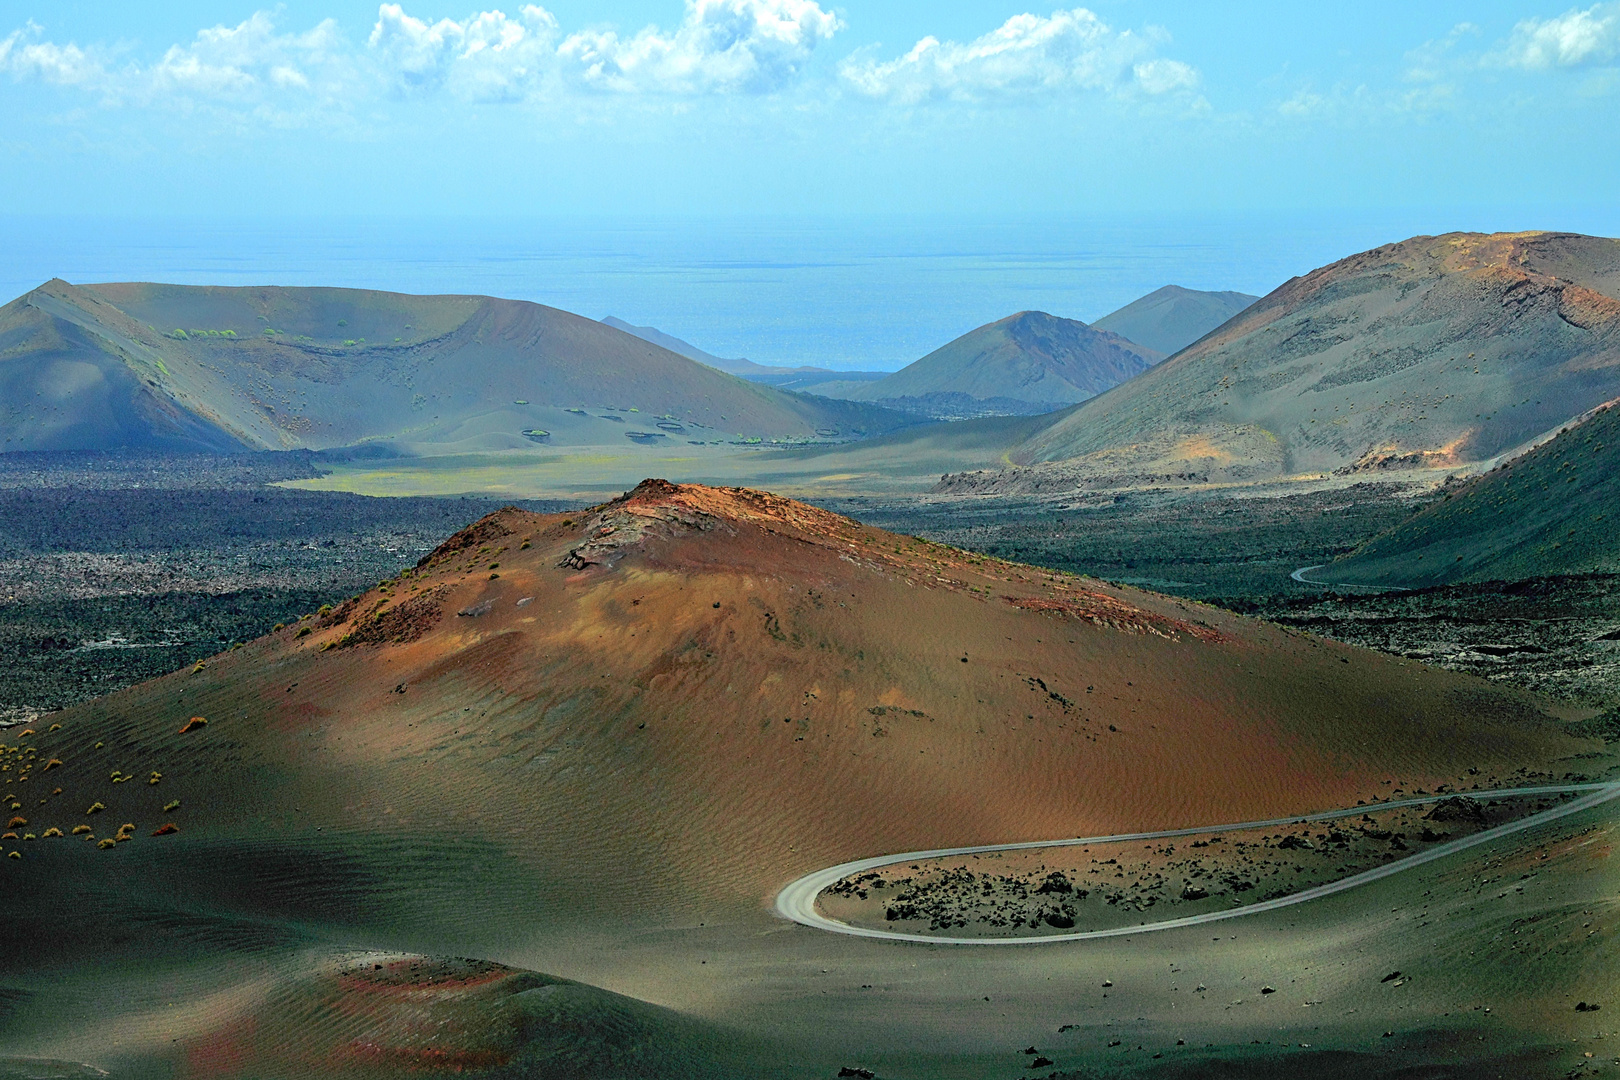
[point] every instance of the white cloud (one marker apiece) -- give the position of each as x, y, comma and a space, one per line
1574, 39
721, 46
247, 61
62, 65
490, 56
1026, 55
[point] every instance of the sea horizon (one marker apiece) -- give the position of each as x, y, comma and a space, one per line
845, 292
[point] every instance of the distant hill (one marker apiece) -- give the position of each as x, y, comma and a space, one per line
1027, 363
1551, 511
687, 349
1167, 320
1437, 353
173, 366
783, 378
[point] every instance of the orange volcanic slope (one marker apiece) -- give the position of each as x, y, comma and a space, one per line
681, 700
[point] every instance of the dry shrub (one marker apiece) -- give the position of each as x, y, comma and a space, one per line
168, 829
195, 723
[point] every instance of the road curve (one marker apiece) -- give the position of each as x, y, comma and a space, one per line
1299, 576
798, 900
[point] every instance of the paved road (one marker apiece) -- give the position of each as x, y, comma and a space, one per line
1299, 576
798, 900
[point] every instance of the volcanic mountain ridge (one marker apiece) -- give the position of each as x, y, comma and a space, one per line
1437, 353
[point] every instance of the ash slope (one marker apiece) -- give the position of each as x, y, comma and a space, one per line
182, 367
1027, 363
1434, 353
786, 689
1172, 318
1550, 511
561, 738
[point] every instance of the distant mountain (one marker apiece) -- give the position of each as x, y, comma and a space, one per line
1437, 353
144, 365
783, 378
1169, 319
1027, 363
1550, 511
687, 349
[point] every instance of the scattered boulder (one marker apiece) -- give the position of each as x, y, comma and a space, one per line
859, 1074
1194, 892
1582, 1006
1041, 1063
1295, 843
1391, 977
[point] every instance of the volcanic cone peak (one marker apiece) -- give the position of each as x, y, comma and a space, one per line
658, 508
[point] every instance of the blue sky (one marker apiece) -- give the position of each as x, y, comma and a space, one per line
785, 107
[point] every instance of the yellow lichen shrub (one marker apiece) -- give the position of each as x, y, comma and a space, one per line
96, 808
80, 830
52, 831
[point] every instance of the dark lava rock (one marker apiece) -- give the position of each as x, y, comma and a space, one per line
1295, 843
1194, 892
1056, 882
1059, 921
860, 1074
1457, 808
1040, 1063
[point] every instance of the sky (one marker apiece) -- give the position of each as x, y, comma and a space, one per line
1506, 112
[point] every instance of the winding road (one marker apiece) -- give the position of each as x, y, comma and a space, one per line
798, 900
1299, 576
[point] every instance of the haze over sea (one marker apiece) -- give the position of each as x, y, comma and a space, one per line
842, 293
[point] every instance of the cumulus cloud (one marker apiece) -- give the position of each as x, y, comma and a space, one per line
721, 46
24, 58
248, 60
1576, 38
490, 56
1027, 55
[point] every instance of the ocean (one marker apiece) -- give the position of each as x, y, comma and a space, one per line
846, 293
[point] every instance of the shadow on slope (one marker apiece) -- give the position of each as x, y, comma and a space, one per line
1550, 511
